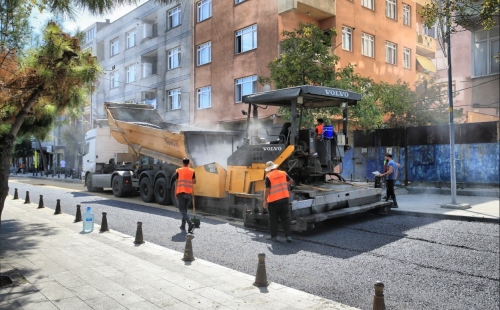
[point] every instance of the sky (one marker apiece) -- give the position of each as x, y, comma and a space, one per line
83, 18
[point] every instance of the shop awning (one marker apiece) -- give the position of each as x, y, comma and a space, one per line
426, 63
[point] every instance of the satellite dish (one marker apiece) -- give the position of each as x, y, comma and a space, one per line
265, 87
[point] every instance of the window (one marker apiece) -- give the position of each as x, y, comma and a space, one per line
174, 58
406, 58
406, 15
174, 17
390, 53
245, 86
347, 39
246, 39
205, 97
115, 79
204, 53
131, 38
204, 10
367, 4
114, 47
174, 99
131, 74
390, 8
367, 42
90, 35
238, 1
430, 32
486, 47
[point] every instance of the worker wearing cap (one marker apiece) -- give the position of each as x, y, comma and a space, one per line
277, 196
184, 180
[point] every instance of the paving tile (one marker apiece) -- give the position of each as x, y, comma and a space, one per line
143, 305
104, 303
72, 303
122, 295
31, 298
39, 305
53, 290
158, 297
215, 295
10, 305
192, 298
129, 282
237, 291
68, 279
85, 292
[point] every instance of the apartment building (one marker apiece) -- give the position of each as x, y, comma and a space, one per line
146, 59
475, 72
234, 40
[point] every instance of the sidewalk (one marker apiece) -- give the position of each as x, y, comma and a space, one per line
56, 266
483, 209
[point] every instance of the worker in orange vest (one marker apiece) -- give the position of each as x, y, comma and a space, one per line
277, 197
184, 180
319, 129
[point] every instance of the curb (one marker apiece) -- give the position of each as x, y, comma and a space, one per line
63, 180
447, 216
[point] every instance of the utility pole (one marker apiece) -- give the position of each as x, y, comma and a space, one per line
453, 173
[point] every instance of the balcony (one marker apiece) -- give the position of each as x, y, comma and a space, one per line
317, 9
426, 46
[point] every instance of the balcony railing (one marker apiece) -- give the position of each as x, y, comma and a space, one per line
317, 9
426, 46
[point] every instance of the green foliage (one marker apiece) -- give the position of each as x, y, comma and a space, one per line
14, 26
22, 148
305, 59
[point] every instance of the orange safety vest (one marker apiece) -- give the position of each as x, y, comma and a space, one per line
319, 130
184, 180
279, 186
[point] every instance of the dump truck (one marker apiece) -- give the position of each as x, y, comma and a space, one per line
230, 165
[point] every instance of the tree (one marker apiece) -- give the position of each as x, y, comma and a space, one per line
35, 87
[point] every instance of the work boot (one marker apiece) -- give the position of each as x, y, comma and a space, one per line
183, 227
191, 228
288, 239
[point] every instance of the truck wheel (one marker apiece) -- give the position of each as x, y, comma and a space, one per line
174, 200
88, 184
146, 190
162, 194
116, 185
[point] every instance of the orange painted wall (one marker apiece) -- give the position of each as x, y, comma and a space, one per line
226, 66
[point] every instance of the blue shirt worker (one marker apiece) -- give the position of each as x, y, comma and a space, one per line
276, 199
392, 174
184, 180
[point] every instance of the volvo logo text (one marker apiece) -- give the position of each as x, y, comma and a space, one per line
337, 93
272, 148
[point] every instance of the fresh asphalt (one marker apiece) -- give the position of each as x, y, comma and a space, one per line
425, 263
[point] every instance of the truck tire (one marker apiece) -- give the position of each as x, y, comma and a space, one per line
88, 184
146, 190
162, 193
116, 185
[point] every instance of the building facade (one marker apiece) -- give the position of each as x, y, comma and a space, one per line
146, 59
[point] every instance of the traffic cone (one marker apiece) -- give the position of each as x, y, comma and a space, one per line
58, 207
104, 224
139, 239
16, 196
261, 277
78, 217
27, 200
188, 250
40, 203
378, 298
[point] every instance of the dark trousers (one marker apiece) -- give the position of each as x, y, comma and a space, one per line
390, 191
184, 202
279, 209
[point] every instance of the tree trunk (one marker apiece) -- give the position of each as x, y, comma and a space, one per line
5, 155
43, 158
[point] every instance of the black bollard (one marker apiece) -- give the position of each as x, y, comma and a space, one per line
27, 200
104, 224
78, 217
58, 207
16, 196
188, 250
378, 298
261, 276
139, 239
40, 203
